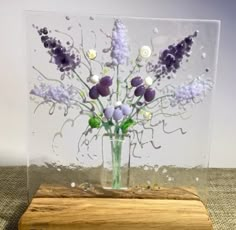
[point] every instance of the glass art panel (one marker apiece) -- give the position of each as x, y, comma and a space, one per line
120, 102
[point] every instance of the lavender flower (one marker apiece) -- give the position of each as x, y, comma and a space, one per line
58, 94
192, 92
119, 44
170, 59
63, 57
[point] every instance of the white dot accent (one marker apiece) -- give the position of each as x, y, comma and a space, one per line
94, 79
145, 167
155, 30
118, 103
164, 171
203, 55
148, 81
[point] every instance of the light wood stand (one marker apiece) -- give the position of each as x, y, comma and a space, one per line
62, 208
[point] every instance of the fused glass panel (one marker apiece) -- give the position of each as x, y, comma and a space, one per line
145, 83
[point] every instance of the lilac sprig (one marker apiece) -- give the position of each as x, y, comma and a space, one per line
171, 58
64, 58
56, 94
119, 44
192, 92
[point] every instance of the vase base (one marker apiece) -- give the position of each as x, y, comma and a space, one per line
110, 188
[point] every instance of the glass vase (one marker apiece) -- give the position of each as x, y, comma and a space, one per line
115, 161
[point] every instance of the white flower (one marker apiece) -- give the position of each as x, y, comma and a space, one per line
118, 103
145, 52
94, 79
148, 81
147, 115
91, 54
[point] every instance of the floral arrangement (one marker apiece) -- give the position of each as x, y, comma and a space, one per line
114, 102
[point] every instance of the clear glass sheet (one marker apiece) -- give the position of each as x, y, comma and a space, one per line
171, 148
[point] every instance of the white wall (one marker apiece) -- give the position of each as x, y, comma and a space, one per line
13, 79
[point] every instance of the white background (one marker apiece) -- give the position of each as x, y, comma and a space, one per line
13, 79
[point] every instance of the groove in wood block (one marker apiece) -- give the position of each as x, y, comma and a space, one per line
57, 191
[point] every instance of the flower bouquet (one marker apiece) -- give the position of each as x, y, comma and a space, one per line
119, 103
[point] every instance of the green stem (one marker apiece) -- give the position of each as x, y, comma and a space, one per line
116, 145
132, 115
84, 83
87, 107
125, 81
131, 72
100, 103
117, 84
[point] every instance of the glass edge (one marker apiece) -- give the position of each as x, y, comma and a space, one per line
211, 114
83, 14
213, 97
26, 40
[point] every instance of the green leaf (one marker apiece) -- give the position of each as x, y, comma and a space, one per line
126, 125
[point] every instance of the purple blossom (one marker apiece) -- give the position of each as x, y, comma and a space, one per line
119, 43
63, 57
171, 58
58, 94
192, 92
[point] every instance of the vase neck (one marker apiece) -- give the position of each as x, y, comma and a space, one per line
120, 137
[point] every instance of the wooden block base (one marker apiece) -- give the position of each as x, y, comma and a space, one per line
65, 212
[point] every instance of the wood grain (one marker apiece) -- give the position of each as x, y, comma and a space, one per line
69, 211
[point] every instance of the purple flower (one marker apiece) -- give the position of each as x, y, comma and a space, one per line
58, 94
119, 44
118, 115
192, 92
171, 58
63, 57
